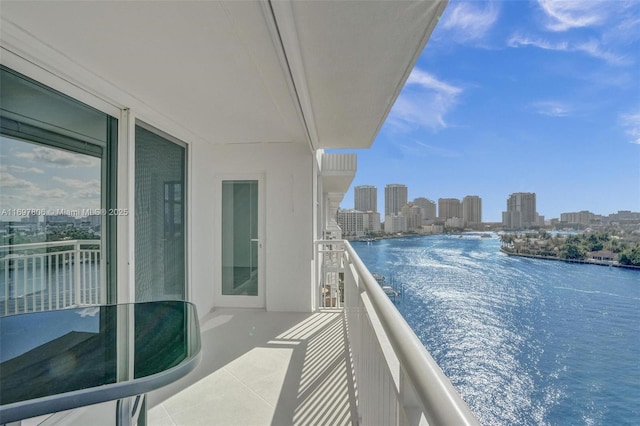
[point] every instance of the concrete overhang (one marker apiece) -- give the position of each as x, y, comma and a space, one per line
337, 171
323, 73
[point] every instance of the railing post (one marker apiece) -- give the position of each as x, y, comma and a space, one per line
76, 272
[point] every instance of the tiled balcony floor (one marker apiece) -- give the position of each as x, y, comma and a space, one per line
264, 368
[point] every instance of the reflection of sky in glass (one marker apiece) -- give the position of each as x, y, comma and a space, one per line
37, 177
21, 333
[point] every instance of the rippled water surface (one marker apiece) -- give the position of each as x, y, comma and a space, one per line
526, 341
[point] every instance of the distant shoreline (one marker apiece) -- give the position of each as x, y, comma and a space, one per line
395, 236
587, 262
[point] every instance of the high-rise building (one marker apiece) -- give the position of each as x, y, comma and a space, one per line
395, 223
581, 218
449, 208
521, 211
428, 208
395, 197
365, 198
371, 221
471, 209
351, 222
413, 214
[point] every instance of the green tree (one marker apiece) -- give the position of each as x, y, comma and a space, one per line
574, 251
630, 257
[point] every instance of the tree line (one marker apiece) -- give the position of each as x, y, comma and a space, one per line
625, 247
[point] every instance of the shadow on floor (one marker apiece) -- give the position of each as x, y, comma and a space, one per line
264, 368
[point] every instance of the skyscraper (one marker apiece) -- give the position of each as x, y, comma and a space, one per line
365, 198
428, 208
395, 197
449, 208
413, 213
521, 211
472, 209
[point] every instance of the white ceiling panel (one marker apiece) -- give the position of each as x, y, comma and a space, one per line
233, 72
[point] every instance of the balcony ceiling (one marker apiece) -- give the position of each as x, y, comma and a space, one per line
318, 72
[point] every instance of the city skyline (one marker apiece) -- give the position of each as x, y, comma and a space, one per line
519, 97
512, 203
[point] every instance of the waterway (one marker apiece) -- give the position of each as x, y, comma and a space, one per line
525, 341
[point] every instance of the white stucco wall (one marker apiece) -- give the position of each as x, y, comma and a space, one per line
288, 238
288, 171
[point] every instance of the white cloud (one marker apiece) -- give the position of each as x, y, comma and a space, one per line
553, 108
20, 169
428, 81
55, 193
631, 123
9, 181
58, 158
592, 48
424, 102
520, 40
83, 189
89, 312
78, 184
563, 15
469, 21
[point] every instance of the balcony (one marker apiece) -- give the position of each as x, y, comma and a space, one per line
355, 361
50, 275
337, 171
262, 368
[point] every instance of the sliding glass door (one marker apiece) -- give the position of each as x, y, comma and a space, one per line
57, 199
160, 225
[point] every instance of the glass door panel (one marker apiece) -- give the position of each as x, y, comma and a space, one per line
57, 199
160, 226
240, 241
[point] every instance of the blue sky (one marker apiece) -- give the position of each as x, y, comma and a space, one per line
519, 96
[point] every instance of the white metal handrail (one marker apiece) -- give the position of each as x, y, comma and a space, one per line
398, 380
38, 279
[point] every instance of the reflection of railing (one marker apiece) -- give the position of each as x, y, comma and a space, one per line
50, 275
330, 272
398, 382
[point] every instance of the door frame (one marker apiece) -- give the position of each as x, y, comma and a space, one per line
232, 301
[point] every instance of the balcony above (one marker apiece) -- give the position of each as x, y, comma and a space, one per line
337, 172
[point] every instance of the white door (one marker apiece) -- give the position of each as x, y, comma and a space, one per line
240, 281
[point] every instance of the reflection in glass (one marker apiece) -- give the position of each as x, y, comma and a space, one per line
49, 353
46, 353
50, 229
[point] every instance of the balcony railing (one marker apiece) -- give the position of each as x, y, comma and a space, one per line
50, 275
330, 273
398, 382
